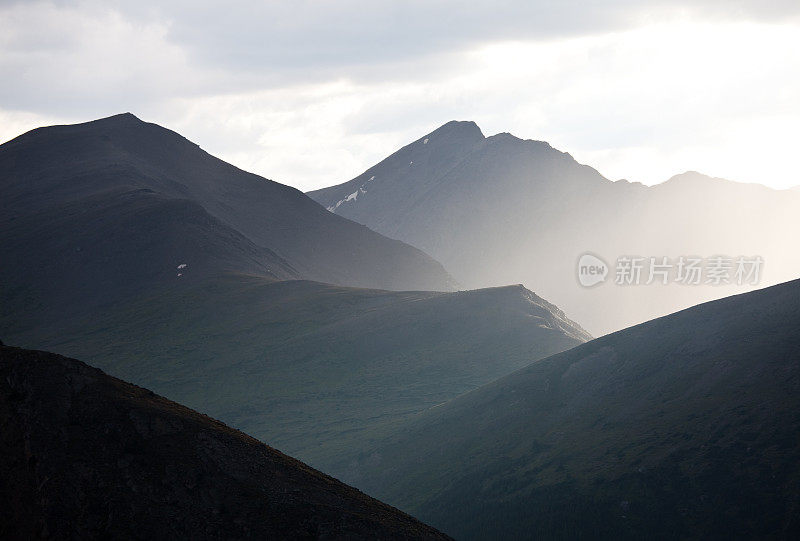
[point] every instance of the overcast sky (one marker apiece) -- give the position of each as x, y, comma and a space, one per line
311, 93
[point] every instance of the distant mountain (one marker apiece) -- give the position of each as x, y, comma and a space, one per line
685, 427
499, 210
311, 368
390, 191
87, 456
94, 212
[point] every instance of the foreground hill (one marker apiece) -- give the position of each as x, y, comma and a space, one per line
93, 213
309, 367
683, 427
87, 456
502, 210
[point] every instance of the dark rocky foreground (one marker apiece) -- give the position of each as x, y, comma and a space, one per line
87, 456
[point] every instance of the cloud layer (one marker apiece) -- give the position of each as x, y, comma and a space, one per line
311, 93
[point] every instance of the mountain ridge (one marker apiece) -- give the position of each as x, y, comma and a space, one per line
67, 162
310, 367
508, 210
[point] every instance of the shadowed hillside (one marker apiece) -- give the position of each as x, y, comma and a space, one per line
87, 456
683, 427
310, 367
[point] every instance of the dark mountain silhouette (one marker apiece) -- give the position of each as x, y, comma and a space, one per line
103, 249
313, 368
87, 456
94, 212
499, 210
684, 427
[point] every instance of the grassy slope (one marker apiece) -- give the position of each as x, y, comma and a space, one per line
687, 426
313, 368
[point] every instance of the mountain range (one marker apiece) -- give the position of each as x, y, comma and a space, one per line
499, 210
166, 267
488, 413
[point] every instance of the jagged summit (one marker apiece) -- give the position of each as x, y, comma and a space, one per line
407, 193
505, 136
118, 118
423, 166
462, 129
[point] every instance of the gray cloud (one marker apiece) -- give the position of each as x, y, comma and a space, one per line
84, 56
312, 35
311, 92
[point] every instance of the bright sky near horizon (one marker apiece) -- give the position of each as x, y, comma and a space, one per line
311, 93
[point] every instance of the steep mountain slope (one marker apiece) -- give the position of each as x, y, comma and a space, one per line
398, 184
87, 456
313, 368
501, 210
71, 259
683, 427
131, 201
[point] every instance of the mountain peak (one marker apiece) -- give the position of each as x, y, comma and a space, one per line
458, 129
696, 180
505, 136
688, 176
126, 116
119, 119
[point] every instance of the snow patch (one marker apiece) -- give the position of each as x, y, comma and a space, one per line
352, 197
